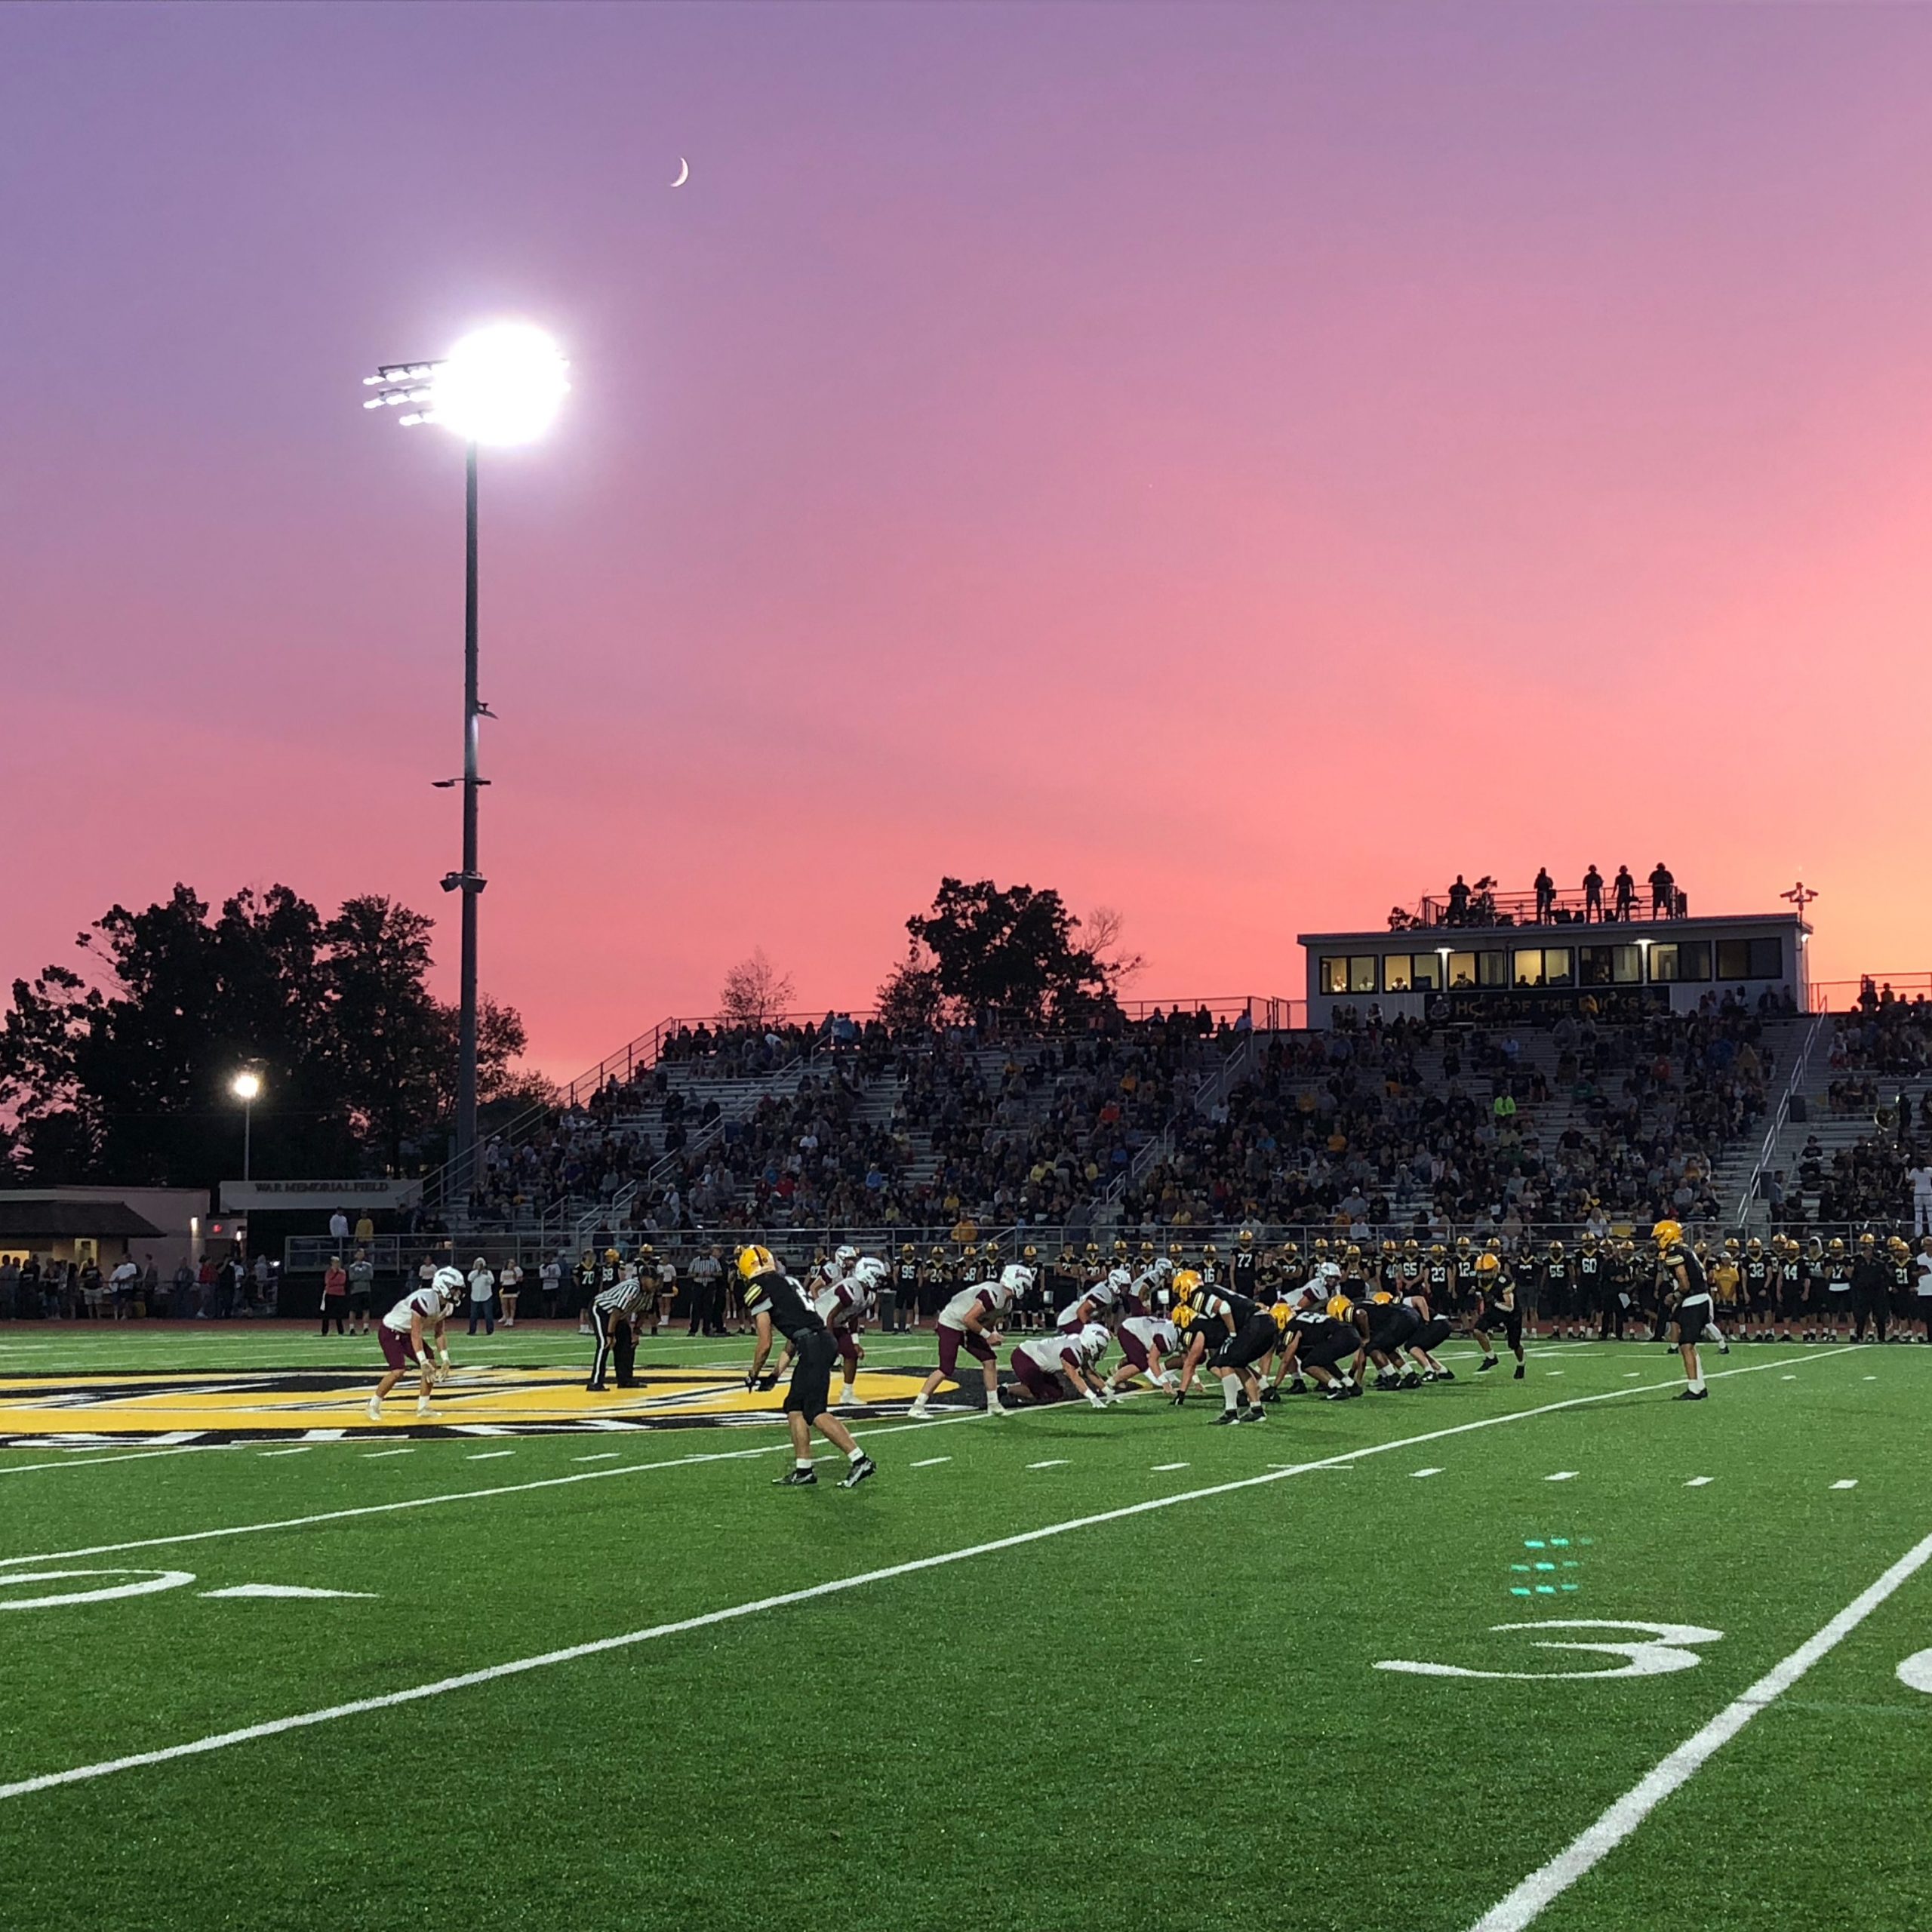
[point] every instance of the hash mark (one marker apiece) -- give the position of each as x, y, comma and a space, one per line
1846, 1482
1698, 1482
1564, 1476
1162, 1469
488, 1455
1426, 1472
931, 1462
602, 1455
1051, 1462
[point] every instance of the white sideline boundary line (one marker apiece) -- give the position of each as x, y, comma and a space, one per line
77, 1459
1549, 1882
457, 1495
837, 1585
767, 1448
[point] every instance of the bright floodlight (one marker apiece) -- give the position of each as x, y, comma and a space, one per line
501, 384
245, 1086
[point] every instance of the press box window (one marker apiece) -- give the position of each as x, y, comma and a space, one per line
1750, 958
1462, 971
1688, 960
1609, 966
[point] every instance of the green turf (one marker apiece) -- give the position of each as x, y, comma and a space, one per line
1170, 1719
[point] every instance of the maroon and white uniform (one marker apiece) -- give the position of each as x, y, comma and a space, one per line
1106, 1297
845, 1307
1039, 1365
432, 1301
994, 1299
1143, 1337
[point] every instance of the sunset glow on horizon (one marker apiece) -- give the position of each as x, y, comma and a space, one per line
1241, 466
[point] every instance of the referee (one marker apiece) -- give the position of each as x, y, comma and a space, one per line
774, 1301
613, 1312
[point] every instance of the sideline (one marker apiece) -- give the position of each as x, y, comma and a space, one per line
599, 1646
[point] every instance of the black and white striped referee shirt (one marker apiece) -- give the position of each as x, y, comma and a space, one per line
622, 1297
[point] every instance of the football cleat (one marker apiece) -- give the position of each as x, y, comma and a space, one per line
796, 1479
1225, 1417
1271, 1394
1691, 1396
1486, 1364
1518, 1376
1410, 1380
995, 1407
1446, 1375
864, 1467
1254, 1412
1334, 1395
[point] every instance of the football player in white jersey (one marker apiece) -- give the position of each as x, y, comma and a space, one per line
1042, 1368
409, 1330
970, 1321
1105, 1301
1145, 1341
845, 1307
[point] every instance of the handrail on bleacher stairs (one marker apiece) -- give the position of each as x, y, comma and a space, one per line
1780, 1114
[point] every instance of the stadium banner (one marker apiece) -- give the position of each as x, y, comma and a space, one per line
239, 1197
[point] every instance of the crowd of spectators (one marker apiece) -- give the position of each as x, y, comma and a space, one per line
1432, 1126
1404, 1125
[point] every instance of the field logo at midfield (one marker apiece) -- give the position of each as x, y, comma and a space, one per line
1662, 1652
313, 1404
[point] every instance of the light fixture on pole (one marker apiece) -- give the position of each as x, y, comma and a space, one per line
246, 1087
500, 385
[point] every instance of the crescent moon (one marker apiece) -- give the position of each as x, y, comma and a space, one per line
684, 172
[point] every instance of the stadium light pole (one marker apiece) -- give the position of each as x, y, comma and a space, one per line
500, 385
247, 1087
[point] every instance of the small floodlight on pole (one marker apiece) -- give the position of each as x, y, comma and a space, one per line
247, 1087
500, 385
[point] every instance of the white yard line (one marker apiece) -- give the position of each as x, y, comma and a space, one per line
465, 1495
74, 1461
767, 1448
1543, 1887
469, 1680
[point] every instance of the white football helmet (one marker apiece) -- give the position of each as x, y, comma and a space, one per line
843, 1259
868, 1273
1093, 1339
450, 1285
1120, 1279
1016, 1277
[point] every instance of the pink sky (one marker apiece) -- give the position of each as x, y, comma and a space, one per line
1240, 466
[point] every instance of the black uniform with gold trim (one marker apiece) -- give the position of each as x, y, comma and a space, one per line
1694, 1309
773, 1293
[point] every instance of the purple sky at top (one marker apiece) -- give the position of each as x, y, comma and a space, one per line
1241, 465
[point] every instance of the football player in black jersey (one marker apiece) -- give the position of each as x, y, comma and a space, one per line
1497, 1310
1687, 1296
776, 1303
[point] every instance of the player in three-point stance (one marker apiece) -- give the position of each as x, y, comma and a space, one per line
777, 1304
970, 1321
1688, 1295
1146, 1340
407, 1331
1042, 1368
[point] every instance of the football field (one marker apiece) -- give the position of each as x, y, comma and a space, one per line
1559, 1652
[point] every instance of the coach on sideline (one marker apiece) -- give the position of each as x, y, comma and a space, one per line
774, 1301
